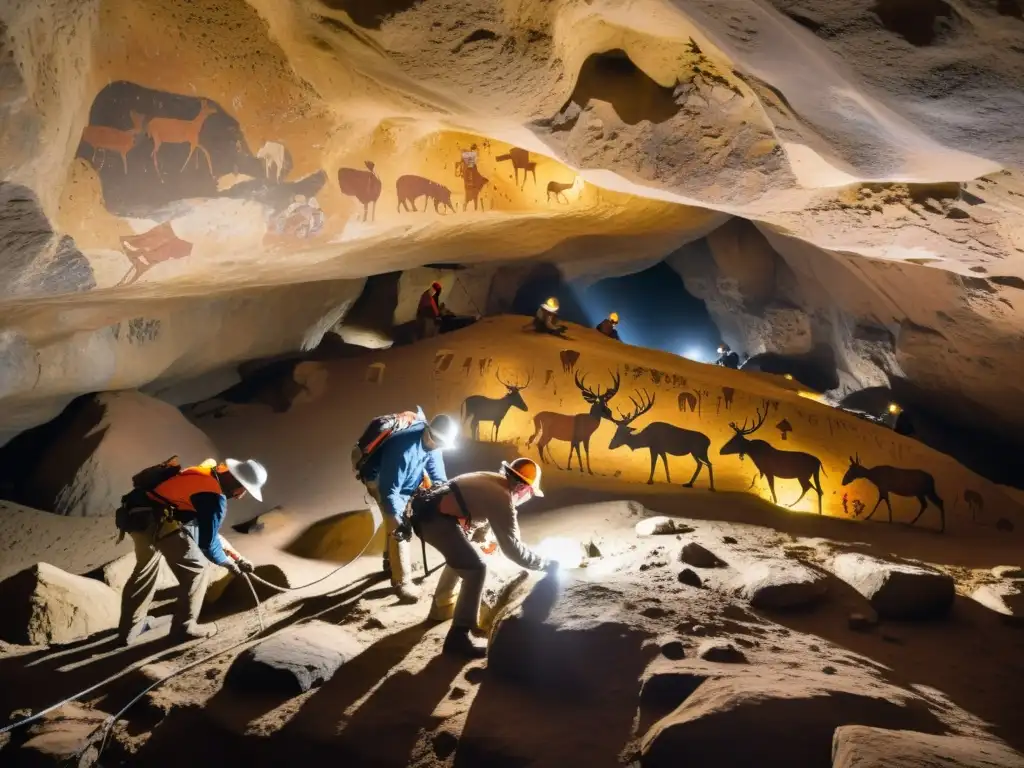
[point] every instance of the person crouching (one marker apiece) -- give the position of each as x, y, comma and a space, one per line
469, 502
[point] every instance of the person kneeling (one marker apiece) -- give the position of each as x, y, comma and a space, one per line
446, 519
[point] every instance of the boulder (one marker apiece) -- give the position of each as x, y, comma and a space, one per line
1005, 597
237, 596
115, 574
897, 590
858, 746
43, 605
860, 622
698, 556
68, 736
721, 652
690, 578
1008, 572
660, 526
105, 439
781, 584
270, 521
294, 661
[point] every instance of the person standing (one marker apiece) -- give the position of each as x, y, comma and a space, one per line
189, 540
470, 503
428, 312
607, 326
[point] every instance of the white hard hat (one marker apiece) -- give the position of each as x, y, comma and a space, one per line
444, 430
250, 473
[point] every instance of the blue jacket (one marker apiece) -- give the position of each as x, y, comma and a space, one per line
403, 459
210, 511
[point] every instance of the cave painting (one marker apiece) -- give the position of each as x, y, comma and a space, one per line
302, 218
364, 186
662, 440
410, 187
179, 151
974, 502
472, 180
915, 483
727, 395
477, 408
784, 428
772, 462
558, 190
575, 429
569, 358
521, 161
692, 400
154, 247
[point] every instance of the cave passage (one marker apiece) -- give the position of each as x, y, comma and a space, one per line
655, 309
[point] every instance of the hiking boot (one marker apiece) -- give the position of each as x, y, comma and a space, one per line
193, 631
459, 642
408, 594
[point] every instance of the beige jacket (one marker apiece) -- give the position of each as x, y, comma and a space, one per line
488, 501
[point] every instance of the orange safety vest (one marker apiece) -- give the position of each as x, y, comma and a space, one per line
180, 488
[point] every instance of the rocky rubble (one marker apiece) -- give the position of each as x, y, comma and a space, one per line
897, 590
780, 584
858, 746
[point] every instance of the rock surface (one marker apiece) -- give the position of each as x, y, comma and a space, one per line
68, 736
43, 604
858, 746
897, 590
721, 652
1006, 598
661, 526
781, 584
115, 574
699, 556
294, 661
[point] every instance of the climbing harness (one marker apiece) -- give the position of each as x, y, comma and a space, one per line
249, 578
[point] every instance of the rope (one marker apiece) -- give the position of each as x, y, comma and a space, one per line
468, 296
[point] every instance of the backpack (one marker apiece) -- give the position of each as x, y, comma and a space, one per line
365, 454
139, 509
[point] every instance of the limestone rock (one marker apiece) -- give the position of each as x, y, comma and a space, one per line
238, 597
698, 556
1008, 572
294, 661
858, 746
660, 526
781, 584
897, 590
272, 520
1006, 597
44, 605
721, 652
860, 622
68, 736
88, 465
690, 577
115, 574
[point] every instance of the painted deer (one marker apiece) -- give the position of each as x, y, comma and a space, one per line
773, 463
558, 190
662, 440
478, 408
169, 130
902, 482
101, 137
272, 153
575, 429
974, 502
520, 161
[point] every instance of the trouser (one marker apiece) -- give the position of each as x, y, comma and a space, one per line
426, 327
186, 561
396, 553
463, 561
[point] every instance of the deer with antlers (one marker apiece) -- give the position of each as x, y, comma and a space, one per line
169, 130
662, 440
478, 408
902, 482
773, 463
574, 429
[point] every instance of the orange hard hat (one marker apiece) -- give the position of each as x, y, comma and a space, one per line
526, 470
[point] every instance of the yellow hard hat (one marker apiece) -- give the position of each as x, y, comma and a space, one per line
614, 317
551, 305
526, 470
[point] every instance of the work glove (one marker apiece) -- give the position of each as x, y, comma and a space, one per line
245, 566
232, 567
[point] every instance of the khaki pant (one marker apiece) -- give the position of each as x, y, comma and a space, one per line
463, 562
186, 561
398, 552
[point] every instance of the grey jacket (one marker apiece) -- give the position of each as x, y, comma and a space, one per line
488, 501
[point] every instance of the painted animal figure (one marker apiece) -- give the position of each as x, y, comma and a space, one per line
473, 183
410, 187
154, 247
575, 429
169, 130
569, 358
662, 440
105, 139
478, 408
272, 153
520, 161
773, 463
902, 482
975, 503
687, 400
558, 190
364, 186
728, 393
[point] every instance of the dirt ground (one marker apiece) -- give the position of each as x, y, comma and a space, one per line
400, 702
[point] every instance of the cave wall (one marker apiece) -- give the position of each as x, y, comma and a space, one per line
451, 372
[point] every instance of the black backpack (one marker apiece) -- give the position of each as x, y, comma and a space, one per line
365, 454
139, 509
